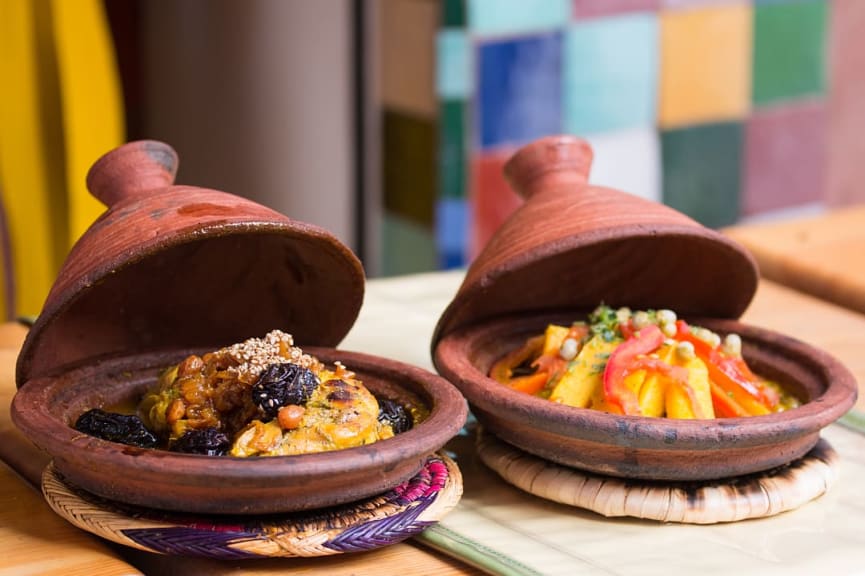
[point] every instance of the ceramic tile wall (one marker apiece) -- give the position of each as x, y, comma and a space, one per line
413, 115
724, 109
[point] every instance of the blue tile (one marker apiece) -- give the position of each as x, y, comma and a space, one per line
610, 71
452, 226
451, 260
519, 96
516, 16
453, 64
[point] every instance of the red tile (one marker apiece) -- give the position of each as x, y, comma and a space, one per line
846, 116
785, 157
492, 199
594, 8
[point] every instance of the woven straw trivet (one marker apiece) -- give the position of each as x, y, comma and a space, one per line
709, 502
371, 523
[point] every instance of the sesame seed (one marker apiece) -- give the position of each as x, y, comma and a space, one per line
249, 358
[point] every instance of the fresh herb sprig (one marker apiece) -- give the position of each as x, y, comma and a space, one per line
604, 322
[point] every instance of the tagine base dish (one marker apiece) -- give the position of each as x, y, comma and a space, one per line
366, 524
757, 495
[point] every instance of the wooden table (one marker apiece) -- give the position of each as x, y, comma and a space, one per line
823, 255
34, 539
502, 526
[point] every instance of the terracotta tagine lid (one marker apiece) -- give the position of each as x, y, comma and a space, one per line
170, 266
574, 245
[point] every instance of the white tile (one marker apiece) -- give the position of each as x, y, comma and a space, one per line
628, 161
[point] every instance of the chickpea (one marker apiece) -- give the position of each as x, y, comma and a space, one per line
685, 350
568, 351
669, 329
666, 316
641, 320
732, 345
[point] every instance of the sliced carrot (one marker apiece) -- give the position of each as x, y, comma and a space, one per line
531, 384
503, 369
725, 406
730, 374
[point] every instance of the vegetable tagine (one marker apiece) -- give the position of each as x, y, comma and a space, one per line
262, 397
644, 363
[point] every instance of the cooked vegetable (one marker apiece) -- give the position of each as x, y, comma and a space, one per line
647, 363
584, 373
341, 413
261, 397
514, 369
731, 374
623, 361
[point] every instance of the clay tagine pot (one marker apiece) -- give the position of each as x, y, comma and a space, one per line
572, 246
171, 270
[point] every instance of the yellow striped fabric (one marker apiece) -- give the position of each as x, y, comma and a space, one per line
60, 108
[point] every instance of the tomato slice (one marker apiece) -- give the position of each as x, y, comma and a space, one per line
621, 363
627, 329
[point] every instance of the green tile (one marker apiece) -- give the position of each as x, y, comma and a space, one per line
407, 247
454, 13
452, 150
702, 172
409, 166
789, 50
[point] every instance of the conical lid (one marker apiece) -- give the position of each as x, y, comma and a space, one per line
179, 266
571, 246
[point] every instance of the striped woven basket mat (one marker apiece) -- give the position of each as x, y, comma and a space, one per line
710, 502
370, 523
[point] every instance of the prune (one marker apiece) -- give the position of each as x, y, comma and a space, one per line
283, 384
122, 428
208, 441
395, 414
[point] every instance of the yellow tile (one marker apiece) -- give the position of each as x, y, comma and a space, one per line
705, 65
